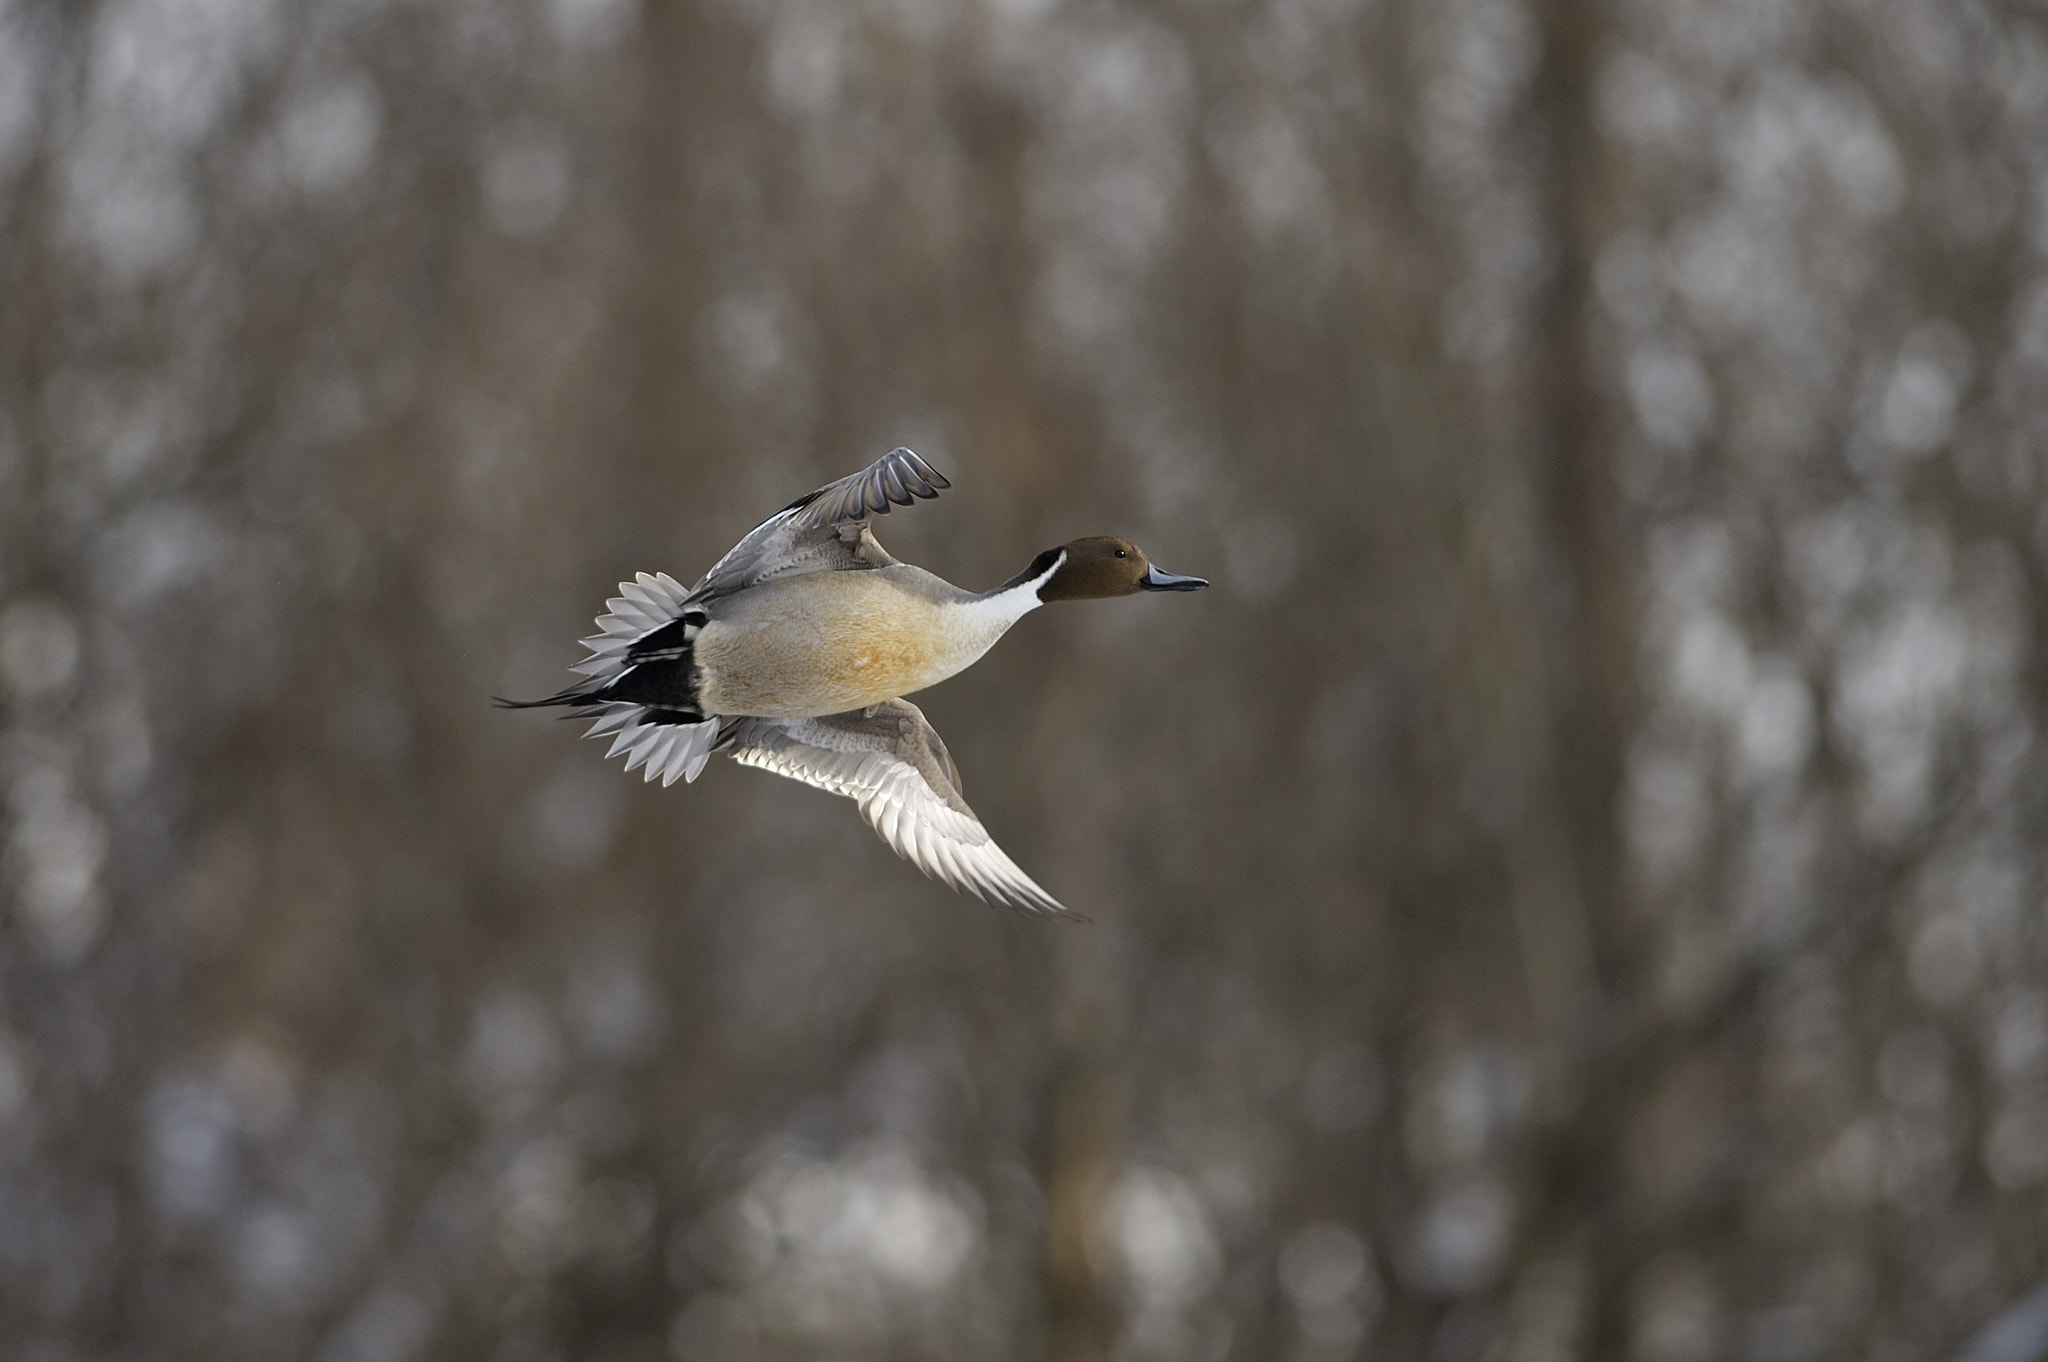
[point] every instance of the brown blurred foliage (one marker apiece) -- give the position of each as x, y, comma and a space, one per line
1573, 889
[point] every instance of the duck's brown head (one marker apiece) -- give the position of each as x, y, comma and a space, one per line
1090, 569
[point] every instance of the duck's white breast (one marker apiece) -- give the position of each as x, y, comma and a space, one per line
836, 641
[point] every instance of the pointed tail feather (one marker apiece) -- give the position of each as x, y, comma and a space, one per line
575, 695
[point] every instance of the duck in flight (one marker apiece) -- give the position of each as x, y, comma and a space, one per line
794, 654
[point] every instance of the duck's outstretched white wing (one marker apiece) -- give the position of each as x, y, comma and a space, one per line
826, 530
890, 761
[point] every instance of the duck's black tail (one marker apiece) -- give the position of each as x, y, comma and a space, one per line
578, 696
657, 671
642, 685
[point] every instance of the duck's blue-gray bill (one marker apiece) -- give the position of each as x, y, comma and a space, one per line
1155, 580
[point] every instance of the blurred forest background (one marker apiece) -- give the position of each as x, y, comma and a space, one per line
1574, 889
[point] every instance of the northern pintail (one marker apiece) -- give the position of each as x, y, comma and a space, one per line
794, 654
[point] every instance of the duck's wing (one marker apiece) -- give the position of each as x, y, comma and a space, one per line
826, 530
892, 763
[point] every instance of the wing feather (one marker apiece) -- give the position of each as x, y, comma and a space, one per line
806, 535
890, 762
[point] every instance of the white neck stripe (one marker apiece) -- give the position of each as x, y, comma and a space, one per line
1042, 578
1004, 608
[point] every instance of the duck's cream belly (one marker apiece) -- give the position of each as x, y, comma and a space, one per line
834, 641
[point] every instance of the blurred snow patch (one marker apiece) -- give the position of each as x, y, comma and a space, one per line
123, 747
1264, 156
1326, 1271
156, 548
56, 849
806, 59
160, 74
1642, 101
391, 1325
1775, 730
525, 181
830, 1245
1896, 682
1462, 1237
614, 1008
2019, 1037
538, 1198
514, 1044
173, 66
129, 205
1163, 1237
189, 1157
1673, 398
1464, 1105
329, 132
1107, 179
1798, 135
748, 327
1710, 663
274, 1253
1919, 406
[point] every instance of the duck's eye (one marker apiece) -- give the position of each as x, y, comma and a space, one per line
1121, 554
